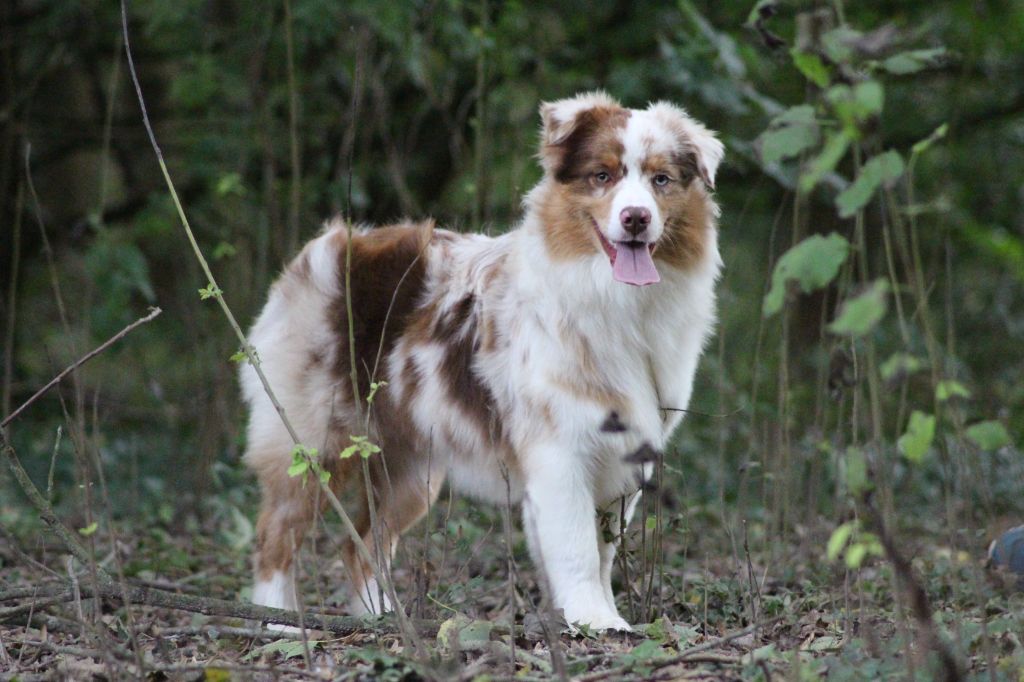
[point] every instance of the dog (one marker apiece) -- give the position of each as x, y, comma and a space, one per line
520, 368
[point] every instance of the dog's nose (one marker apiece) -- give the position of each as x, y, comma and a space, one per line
635, 219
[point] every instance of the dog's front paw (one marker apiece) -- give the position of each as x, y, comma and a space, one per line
600, 621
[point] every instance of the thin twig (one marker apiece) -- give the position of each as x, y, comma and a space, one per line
153, 312
249, 351
43, 507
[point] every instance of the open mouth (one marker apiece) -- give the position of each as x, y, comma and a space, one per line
631, 261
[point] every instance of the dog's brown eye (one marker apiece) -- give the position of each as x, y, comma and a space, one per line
603, 177
661, 179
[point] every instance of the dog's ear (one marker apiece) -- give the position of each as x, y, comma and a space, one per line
560, 119
696, 141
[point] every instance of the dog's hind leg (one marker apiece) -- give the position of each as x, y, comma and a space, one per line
287, 508
404, 493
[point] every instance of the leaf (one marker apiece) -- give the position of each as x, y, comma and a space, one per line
839, 43
906, 63
348, 452
812, 263
790, 133
998, 242
651, 523
882, 169
238, 356
988, 435
859, 315
230, 183
900, 365
856, 105
918, 438
90, 529
948, 388
840, 536
827, 642
459, 631
298, 468
240, 535
922, 146
855, 554
811, 66
224, 250
289, 648
856, 472
826, 160
210, 291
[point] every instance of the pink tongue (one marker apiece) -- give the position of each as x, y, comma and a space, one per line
634, 265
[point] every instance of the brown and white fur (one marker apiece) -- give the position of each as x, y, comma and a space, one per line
504, 356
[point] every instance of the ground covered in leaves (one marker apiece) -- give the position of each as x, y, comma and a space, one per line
781, 612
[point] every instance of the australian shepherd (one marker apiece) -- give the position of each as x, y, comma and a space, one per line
523, 367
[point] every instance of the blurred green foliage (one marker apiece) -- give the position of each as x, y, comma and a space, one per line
429, 108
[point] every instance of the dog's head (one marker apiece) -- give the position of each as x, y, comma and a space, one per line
632, 184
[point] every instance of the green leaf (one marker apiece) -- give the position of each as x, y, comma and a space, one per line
988, 435
460, 631
906, 63
651, 523
348, 452
230, 183
840, 536
374, 387
839, 44
859, 315
999, 243
854, 106
918, 438
812, 264
90, 529
298, 468
900, 365
885, 169
790, 133
856, 472
948, 388
211, 291
224, 250
922, 146
825, 162
811, 66
289, 648
238, 356
855, 554
325, 476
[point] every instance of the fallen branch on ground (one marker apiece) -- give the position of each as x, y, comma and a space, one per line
210, 606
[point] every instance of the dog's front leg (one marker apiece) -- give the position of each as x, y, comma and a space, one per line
561, 528
615, 518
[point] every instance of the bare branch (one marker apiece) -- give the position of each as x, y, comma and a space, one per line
153, 312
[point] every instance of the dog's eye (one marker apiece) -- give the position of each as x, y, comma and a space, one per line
661, 179
602, 178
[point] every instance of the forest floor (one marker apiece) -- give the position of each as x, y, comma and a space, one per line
780, 612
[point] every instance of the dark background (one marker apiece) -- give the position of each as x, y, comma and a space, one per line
430, 109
